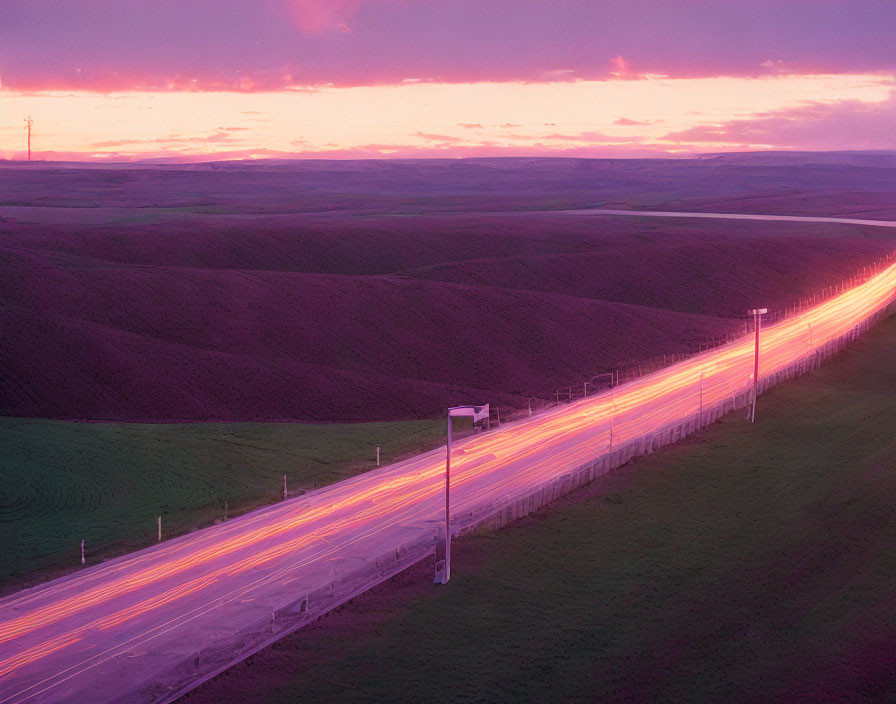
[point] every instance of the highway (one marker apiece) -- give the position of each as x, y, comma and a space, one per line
175, 613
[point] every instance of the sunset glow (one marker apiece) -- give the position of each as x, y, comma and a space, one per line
616, 117
330, 78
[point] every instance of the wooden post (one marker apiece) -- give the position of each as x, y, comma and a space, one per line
377, 455
529, 401
160, 529
83, 561
284, 486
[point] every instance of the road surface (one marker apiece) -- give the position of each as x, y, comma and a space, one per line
723, 216
149, 625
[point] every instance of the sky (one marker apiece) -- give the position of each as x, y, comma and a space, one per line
189, 79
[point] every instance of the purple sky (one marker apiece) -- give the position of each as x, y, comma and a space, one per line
241, 78
122, 44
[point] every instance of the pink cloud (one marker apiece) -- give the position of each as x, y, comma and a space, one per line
849, 124
625, 122
437, 137
221, 136
318, 16
111, 45
593, 136
620, 67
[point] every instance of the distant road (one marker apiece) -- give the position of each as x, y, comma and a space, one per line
724, 216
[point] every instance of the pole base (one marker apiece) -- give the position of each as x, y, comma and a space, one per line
443, 573
443, 561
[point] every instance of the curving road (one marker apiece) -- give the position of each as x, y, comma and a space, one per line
724, 216
148, 626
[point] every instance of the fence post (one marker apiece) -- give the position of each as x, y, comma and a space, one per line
160, 529
83, 561
284, 486
377, 455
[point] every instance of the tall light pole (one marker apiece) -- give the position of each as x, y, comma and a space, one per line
443, 547
757, 314
28, 123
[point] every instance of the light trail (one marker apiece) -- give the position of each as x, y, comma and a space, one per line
99, 630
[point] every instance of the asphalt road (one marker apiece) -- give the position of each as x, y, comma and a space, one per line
725, 216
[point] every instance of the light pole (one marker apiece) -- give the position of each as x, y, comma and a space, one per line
443, 547
757, 314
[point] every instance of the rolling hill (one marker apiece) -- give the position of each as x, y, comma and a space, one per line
356, 291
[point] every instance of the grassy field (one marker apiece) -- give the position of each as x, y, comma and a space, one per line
107, 482
746, 564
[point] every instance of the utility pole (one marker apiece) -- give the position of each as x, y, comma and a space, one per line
443, 545
757, 314
28, 123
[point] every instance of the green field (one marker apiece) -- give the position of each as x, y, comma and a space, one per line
106, 482
745, 564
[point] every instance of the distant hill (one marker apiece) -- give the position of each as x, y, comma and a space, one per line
382, 290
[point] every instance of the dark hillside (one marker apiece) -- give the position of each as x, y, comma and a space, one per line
323, 291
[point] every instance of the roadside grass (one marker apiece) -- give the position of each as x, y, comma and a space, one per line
749, 563
107, 482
